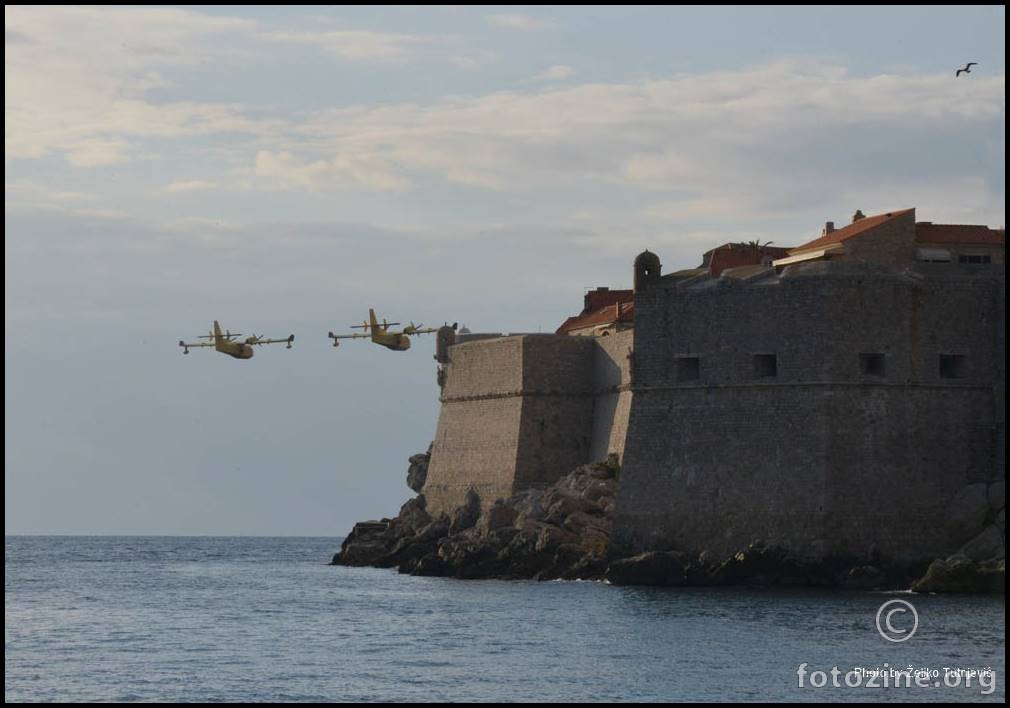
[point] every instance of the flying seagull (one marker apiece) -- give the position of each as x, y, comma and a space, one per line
966, 69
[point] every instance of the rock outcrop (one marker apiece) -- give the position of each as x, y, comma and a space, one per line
967, 512
417, 473
958, 573
976, 519
563, 531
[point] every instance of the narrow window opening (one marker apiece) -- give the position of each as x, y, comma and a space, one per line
766, 366
872, 364
688, 368
953, 366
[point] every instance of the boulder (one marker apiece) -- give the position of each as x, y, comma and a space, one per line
413, 515
468, 555
865, 577
406, 551
602, 470
566, 505
499, 515
580, 520
600, 488
417, 472
988, 545
959, 573
521, 556
997, 495
502, 536
966, 512
431, 565
761, 564
588, 567
368, 542
466, 515
595, 541
664, 568
528, 505
549, 538
433, 532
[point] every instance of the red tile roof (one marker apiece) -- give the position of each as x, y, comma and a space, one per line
618, 312
733, 255
744, 247
928, 232
601, 297
857, 227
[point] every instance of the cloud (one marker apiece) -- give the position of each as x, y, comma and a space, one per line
285, 170
746, 144
519, 21
468, 63
558, 72
97, 152
758, 142
22, 191
75, 81
104, 214
357, 45
192, 185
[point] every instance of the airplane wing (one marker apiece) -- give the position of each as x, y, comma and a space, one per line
186, 346
426, 330
348, 336
287, 340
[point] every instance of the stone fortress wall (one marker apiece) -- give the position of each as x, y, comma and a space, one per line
831, 407
812, 410
521, 411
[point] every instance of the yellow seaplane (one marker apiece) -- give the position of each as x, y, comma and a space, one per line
397, 340
228, 343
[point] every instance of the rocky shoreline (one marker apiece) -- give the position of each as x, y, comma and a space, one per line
563, 532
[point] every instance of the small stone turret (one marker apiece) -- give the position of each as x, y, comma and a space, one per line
444, 338
647, 270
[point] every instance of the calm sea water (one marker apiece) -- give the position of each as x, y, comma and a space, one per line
228, 619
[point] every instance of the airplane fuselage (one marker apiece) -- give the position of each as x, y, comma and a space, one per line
236, 350
395, 342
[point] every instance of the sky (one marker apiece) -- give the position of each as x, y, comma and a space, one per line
283, 169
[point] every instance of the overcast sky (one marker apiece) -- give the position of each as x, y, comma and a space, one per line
283, 169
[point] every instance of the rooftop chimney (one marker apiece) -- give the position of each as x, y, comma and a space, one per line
588, 299
858, 215
829, 226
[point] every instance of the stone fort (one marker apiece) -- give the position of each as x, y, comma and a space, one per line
831, 398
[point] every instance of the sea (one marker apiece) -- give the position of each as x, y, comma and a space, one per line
266, 619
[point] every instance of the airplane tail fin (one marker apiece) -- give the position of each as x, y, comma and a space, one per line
374, 329
218, 339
